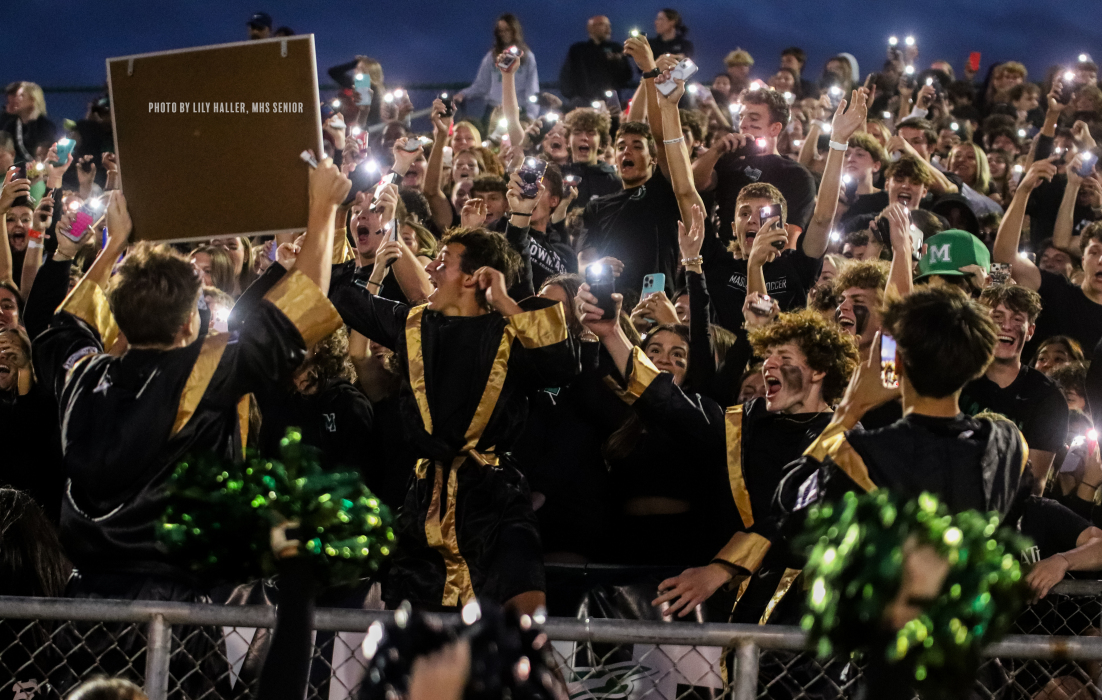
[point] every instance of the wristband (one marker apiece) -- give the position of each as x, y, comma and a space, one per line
1090, 486
679, 139
652, 73
33, 244
838, 146
698, 260
517, 213
34, 235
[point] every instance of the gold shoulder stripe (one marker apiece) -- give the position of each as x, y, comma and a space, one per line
832, 443
787, 579
542, 327
734, 466
199, 379
88, 303
416, 361
302, 302
745, 549
643, 373
1025, 452
492, 392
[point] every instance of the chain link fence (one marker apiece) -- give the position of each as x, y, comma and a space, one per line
209, 652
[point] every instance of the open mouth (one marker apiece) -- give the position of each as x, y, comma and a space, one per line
5, 372
904, 198
363, 233
627, 163
584, 151
1007, 340
556, 145
772, 387
847, 324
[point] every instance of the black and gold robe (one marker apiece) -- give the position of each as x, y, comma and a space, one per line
467, 526
754, 444
127, 421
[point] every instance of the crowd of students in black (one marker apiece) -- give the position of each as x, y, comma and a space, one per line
648, 334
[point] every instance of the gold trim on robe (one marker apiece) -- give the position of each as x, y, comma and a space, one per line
199, 379
1025, 452
832, 443
745, 549
640, 375
302, 302
88, 302
734, 466
787, 579
440, 529
540, 328
243, 421
416, 361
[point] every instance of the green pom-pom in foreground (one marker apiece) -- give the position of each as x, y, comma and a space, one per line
856, 569
220, 514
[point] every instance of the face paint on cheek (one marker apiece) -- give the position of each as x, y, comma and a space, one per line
860, 318
793, 378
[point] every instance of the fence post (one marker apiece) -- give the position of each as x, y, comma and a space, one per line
156, 658
746, 672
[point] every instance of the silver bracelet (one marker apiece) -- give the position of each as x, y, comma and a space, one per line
679, 139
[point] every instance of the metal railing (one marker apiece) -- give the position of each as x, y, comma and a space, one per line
170, 648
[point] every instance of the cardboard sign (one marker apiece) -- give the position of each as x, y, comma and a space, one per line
209, 138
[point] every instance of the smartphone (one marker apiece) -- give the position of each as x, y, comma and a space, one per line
531, 174
1089, 159
64, 148
360, 137
572, 180
1077, 454
414, 145
1067, 87
763, 306
835, 94
768, 212
974, 61
86, 215
388, 179
449, 106
653, 284
308, 158
684, 70
363, 86
636, 32
849, 183
602, 283
273, 251
1000, 273
888, 374
508, 57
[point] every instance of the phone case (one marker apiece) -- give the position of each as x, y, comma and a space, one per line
63, 150
363, 86
654, 283
531, 174
80, 224
682, 71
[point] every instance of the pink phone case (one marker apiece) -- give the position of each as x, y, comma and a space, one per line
80, 224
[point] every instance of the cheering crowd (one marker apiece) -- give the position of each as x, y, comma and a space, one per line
648, 321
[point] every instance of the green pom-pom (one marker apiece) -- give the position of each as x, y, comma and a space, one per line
856, 569
350, 529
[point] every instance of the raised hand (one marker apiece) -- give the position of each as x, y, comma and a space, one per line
847, 122
692, 239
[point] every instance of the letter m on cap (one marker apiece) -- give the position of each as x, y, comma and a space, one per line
939, 253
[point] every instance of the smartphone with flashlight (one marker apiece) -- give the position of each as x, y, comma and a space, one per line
768, 212
1089, 159
449, 106
974, 61
362, 83
762, 306
684, 70
602, 283
388, 179
508, 57
531, 174
414, 145
888, 374
1067, 87
999, 273
849, 185
64, 148
835, 94
572, 180
91, 210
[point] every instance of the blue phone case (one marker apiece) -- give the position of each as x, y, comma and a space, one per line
363, 86
63, 151
654, 283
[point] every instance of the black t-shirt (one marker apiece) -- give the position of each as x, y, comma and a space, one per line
637, 227
1044, 205
733, 172
787, 279
598, 180
1065, 310
872, 203
1052, 527
677, 45
1032, 402
549, 258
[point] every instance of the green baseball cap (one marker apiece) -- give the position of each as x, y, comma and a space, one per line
951, 250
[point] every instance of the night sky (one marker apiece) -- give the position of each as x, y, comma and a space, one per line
444, 42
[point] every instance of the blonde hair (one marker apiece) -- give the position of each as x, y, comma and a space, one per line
374, 70
473, 129
982, 181
34, 90
426, 242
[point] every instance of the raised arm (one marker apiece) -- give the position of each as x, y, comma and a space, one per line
639, 50
328, 188
511, 108
43, 219
1007, 239
676, 158
12, 190
901, 274
1065, 216
441, 208
844, 125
